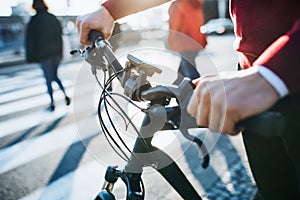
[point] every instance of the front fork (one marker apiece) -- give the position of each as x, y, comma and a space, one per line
133, 182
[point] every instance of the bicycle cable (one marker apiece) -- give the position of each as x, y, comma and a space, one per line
118, 109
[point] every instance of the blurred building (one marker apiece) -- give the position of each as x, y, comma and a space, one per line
11, 33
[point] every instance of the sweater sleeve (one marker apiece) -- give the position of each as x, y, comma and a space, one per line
283, 58
122, 8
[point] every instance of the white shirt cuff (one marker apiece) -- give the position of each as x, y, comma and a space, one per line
272, 79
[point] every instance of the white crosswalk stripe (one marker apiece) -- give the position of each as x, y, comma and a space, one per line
31, 149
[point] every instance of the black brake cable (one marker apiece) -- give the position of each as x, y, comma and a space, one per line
105, 131
103, 97
115, 129
104, 128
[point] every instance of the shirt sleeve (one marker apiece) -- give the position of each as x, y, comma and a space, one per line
272, 79
283, 58
122, 8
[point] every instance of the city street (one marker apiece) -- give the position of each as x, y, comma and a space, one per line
63, 154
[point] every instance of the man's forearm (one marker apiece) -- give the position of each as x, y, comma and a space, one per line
122, 8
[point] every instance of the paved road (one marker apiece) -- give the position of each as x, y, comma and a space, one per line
63, 155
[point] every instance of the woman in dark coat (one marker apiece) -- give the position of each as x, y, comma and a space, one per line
44, 45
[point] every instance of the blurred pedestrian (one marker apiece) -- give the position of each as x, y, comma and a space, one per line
185, 19
44, 45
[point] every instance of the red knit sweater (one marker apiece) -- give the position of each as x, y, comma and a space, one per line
268, 33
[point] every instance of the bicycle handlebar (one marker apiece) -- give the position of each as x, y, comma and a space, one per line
95, 35
268, 124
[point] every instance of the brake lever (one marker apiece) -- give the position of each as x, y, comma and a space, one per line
76, 51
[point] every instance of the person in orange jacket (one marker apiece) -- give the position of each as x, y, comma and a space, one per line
185, 19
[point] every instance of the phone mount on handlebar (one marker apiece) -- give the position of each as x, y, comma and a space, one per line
135, 80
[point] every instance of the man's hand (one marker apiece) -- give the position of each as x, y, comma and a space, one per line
100, 20
220, 101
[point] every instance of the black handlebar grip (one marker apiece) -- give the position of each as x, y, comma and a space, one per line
94, 35
267, 124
